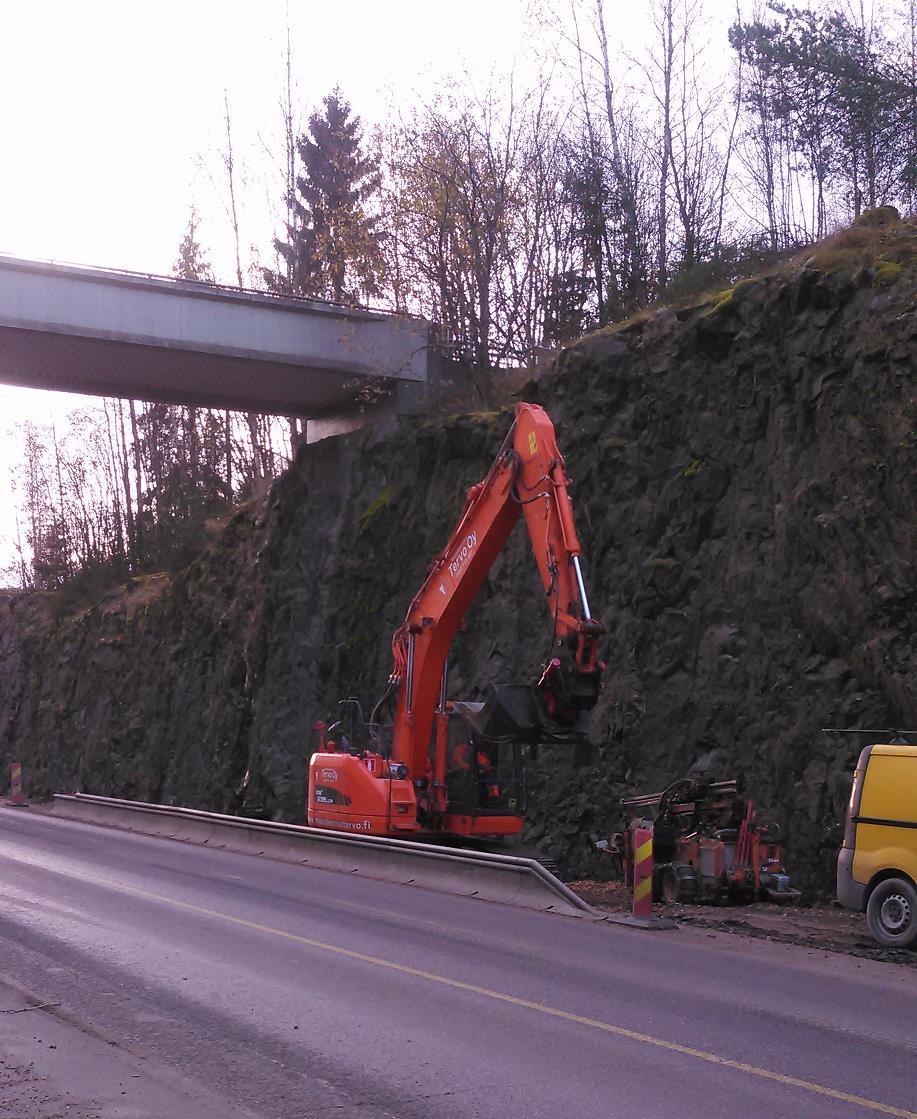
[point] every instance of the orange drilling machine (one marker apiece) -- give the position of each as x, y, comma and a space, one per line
423, 765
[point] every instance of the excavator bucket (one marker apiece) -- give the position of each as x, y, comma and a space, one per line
516, 713
508, 711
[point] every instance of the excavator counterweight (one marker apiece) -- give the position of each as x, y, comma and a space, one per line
423, 763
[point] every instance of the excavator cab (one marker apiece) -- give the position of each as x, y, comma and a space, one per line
484, 777
487, 744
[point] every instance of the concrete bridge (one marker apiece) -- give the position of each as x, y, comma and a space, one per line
111, 333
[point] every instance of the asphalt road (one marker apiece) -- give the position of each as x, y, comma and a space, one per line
254, 988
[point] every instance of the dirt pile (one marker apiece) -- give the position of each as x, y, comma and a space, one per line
744, 481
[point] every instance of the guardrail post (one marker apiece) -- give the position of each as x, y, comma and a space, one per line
643, 872
16, 797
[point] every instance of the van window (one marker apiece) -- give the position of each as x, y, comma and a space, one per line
890, 789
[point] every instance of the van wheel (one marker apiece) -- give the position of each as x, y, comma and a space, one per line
892, 913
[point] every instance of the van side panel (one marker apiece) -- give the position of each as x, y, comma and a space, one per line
886, 820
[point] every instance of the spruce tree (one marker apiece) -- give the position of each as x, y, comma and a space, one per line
333, 244
191, 264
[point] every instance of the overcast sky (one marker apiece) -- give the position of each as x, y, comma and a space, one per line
109, 105
111, 114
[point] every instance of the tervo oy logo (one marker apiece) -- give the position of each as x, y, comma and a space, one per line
462, 554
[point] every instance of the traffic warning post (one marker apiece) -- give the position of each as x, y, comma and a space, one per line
643, 873
17, 800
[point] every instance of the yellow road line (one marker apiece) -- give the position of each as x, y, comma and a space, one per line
512, 1000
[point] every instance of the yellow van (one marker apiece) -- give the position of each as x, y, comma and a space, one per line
877, 866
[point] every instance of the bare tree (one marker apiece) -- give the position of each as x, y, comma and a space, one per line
633, 271
230, 204
230, 172
477, 223
692, 167
909, 17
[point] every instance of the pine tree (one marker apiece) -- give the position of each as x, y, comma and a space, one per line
333, 246
191, 264
835, 84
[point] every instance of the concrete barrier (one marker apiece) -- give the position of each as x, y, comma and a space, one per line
506, 879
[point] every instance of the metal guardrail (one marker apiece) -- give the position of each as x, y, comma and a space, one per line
213, 287
506, 879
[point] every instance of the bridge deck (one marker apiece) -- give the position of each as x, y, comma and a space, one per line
184, 342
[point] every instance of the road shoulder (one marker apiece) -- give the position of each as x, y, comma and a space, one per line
52, 1065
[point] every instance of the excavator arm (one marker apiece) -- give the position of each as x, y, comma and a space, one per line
527, 479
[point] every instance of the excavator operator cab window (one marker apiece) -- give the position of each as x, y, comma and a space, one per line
482, 777
500, 777
461, 783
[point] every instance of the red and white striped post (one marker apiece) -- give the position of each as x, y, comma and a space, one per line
643, 872
16, 797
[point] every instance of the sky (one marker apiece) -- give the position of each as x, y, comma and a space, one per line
112, 115
111, 106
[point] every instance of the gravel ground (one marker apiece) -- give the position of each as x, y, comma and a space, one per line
828, 927
54, 1065
26, 1094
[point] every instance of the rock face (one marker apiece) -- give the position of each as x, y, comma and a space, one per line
744, 484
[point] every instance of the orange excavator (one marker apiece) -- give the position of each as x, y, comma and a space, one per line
424, 765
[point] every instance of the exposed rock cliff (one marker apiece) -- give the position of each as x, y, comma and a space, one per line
744, 477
